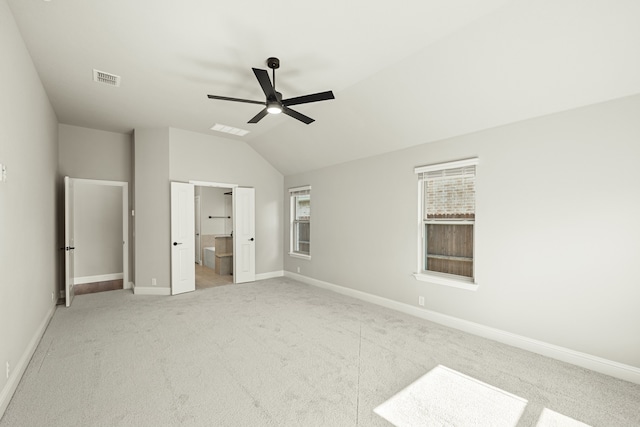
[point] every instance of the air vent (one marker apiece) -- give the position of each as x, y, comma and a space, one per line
106, 78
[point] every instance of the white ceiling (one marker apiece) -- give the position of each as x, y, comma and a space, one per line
403, 73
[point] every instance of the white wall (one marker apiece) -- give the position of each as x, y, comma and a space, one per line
201, 157
28, 246
556, 236
94, 154
98, 229
168, 154
152, 207
101, 155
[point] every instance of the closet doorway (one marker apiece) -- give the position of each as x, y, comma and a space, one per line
96, 236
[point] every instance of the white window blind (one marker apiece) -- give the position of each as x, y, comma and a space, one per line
300, 191
463, 172
449, 190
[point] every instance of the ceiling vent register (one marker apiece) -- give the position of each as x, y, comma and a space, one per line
106, 78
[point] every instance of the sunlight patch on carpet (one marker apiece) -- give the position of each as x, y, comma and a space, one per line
447, 397
550, 418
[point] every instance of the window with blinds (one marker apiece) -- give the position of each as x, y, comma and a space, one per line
448, 217
300, 231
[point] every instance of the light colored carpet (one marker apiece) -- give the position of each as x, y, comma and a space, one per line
276, 353
447, 397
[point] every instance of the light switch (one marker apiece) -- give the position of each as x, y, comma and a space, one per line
3, 173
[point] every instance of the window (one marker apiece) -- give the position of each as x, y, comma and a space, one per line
447, 222
300, 232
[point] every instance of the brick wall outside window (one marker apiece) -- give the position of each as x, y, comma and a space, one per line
450, 198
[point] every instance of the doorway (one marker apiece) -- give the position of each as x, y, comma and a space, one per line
214, 236
235, 252
96, 236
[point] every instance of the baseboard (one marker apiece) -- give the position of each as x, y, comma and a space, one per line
98, 278
18, 370
270, 275
594, 363
151, 290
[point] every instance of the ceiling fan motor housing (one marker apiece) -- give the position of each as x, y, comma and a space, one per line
273, 63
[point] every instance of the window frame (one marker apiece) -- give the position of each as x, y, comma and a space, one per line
456, 281
293, 193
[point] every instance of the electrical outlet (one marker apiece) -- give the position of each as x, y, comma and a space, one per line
421, 301
7, 369
153, 282
298, 269
53, 296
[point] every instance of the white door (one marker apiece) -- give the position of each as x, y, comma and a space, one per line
197, 248
183, 274
68, 241
244, 244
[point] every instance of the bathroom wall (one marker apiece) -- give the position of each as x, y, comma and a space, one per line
213, 202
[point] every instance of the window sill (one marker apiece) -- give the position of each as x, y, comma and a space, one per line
301, 256
454, 282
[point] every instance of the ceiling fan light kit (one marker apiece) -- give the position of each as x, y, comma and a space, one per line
273, 108
274, 104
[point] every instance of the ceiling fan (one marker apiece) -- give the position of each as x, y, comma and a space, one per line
274, 103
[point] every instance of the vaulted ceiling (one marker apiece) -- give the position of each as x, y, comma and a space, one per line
403, 73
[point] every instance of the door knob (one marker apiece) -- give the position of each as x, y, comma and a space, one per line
176, 243
251, 239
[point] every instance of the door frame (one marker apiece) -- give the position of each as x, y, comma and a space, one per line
126, 284
67, 246
198, 227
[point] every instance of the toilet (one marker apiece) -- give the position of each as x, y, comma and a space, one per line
210, 257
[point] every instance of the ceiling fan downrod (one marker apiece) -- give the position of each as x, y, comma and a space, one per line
274, 64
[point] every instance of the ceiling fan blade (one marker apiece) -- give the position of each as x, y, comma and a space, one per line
226, 98
296, 115
258, 116
265, 83
320, 96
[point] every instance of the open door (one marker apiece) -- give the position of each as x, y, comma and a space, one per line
183, 276
244, 244
69, 244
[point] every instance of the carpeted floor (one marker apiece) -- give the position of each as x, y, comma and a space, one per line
281, 353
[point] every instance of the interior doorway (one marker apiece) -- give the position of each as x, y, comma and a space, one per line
96, 240
235, 253
214, 236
